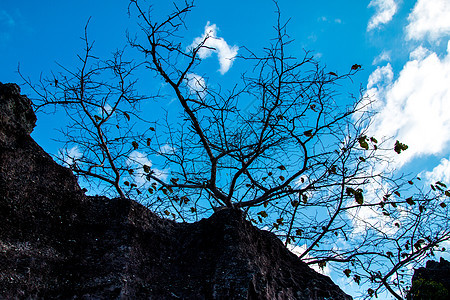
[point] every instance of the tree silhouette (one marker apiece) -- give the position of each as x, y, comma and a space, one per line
284, 144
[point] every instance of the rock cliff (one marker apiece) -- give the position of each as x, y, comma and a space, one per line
431, 282
57, 243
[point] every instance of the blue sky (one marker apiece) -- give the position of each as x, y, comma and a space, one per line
395, 41
402, 46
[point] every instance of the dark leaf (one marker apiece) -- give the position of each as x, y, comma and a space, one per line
362, 140
263, 214
308, 133
126, 116
356, 67
399, 147
410, 201
135, 145
347, 272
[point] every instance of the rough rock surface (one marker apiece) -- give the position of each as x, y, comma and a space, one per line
57, 243
431, 282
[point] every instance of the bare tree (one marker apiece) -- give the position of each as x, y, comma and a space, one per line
285, 145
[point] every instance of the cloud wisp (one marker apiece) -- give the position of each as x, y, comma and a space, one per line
384, 11
211, 43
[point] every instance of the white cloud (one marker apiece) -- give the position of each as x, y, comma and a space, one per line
414, 108
429, 18
212, 43
196, 85
384, 56
70, 156
166, 149
441, 172
137, 160
385, 10
298, 250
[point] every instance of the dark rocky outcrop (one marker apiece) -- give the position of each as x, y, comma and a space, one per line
55, 242
431, 282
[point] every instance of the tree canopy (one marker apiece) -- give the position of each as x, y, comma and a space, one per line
286, 144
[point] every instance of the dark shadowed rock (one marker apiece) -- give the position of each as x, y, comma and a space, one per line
55, 242
431, 282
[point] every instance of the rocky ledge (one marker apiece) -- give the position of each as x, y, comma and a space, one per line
57, 243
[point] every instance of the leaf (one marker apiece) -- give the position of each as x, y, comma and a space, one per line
389, 254
167, 212
265, 204
441, 184
304, 198
152, 128
126, 183
397, 193
281, 178
146, 168
447, 193
294, 203
133, 185
357, 279
410, 201
410, 182
149, 140
373, 140
308, 133
270, 174
97, 118
432, 187
362, 140
298, 232
280, 221
397, 224
356, 67
283, 168
421, 208
370, 292
263, 214
362, 159
130, 171
347, 272
193, 209
418, 244
332, 169
443, 205
322, 264
135, 145
126, 116
399, 147
332, 73
150, 190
